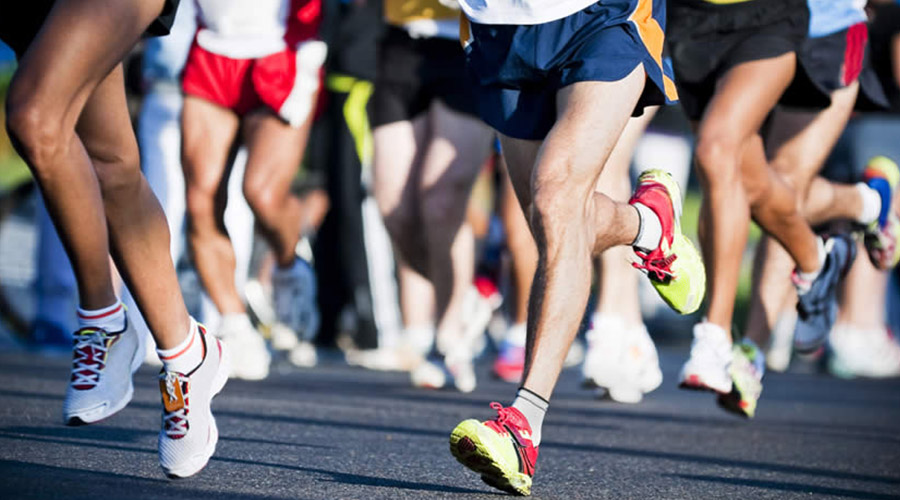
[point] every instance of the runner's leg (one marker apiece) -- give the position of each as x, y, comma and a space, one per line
208, 132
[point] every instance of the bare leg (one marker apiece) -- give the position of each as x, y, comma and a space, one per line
522, 249
275, 150
396, 168
53, 84
799, 143
207, 138
571, 222
726, 136
457, 148
617, 282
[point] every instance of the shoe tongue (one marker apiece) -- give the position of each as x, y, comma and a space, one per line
517, 419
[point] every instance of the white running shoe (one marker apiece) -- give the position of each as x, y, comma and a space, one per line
294, 294
303, 355
102, 365
251, 356
428, 375
189, 434
282, 337
622, 361
781, 347
710, 361
857, 352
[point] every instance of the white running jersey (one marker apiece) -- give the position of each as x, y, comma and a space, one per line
248, 29
521, 11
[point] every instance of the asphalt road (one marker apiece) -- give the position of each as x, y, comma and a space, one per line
340, 432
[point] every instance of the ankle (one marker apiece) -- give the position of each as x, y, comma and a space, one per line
110, 318
534, 408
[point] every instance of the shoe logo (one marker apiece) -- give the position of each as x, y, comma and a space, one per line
172, 396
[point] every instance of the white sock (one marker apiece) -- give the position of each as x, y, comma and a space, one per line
871, 204
807, 278
516, 335
534, 408
111, 318
650, 231
187, 355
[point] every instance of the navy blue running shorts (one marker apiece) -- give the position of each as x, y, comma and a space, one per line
518, 70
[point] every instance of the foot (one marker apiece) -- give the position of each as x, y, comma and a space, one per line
817, 301
781, 347
858, 352
510, 363
500, 450
621, 360
881, 236
251, 356
746, 381
303, 355
189, 434
294, 294
675, 268
102, 365
708, 367
437, 375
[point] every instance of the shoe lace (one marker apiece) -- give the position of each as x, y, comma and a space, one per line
89, 357
175, 396
502, 413
656, 265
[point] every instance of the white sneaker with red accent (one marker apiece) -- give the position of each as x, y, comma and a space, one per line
102, 365
189, 434
709, 366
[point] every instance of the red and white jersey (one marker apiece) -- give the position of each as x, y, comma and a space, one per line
250, 29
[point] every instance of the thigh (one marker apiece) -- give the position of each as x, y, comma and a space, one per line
208, 133
458, 145
398, 152
274, 151
104, 126
798, 142
592, 116
743, 98
78, 45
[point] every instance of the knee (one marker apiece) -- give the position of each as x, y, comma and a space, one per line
118, 170
35, 130
200, 204
556, 208
445, 203
717, 161
400, 222
263, 200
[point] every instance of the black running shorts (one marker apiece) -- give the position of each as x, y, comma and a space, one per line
707, 40
413, 72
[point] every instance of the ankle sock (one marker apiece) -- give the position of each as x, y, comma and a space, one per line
534, 408
111, 318
806, 279
871, 204
650, 230
187, 355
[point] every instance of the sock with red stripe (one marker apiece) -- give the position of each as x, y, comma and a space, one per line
533, 407
187, 355
111, 319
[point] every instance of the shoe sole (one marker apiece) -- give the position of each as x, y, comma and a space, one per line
82, 417
694, 383
732, 403
196, 463
470, 450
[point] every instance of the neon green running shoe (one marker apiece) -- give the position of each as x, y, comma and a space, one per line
675, 268
500, 450
746, 377
881, 236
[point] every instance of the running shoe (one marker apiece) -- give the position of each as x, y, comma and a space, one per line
883, 176
102, 365
781, 347
817, 301
189, 434
708, 367
861, 352
639, 368
500, 450
251, 356
510, 363
294, 294
746, 377
304, 355
675, 268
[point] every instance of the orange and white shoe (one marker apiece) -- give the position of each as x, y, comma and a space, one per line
189, 434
